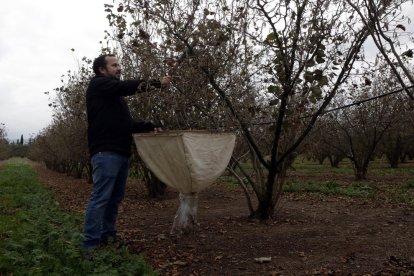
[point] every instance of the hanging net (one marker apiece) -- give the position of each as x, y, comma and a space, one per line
188, 161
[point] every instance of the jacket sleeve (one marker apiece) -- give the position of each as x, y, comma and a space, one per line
110, 87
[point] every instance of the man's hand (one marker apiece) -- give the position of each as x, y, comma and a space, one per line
166, 80
157, 129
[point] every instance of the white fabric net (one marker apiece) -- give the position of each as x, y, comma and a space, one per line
188, 161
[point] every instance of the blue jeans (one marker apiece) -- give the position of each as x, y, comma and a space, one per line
109, 174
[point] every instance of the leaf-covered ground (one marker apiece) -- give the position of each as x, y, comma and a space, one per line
312, 234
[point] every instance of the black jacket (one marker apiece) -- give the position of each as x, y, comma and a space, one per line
110, 125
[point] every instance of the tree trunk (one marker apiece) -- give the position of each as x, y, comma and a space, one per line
394, 152
320, 160
403, 157
78, 172
334, 160
267, 204
155, 187
360, 170
89, 172
392, 159
361, 175
264, 211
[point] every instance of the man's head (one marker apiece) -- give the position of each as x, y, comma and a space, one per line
108, 66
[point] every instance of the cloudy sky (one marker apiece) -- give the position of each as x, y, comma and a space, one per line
36, 38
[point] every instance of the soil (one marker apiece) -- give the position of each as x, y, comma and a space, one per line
311, 234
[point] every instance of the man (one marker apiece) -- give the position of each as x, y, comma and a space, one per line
110, 129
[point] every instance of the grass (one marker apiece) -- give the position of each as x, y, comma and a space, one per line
37, 238
305, 166
356, 189
341, 183
384, 183
376, 167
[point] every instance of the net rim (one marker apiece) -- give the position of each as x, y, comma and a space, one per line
180, 133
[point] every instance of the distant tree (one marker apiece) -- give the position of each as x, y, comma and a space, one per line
324, 143
398, 141
21, 140
18, 150
62, 146
359, 130
4, 147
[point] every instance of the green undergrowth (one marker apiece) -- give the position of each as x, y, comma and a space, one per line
393, 192
355, 189
38, 238
384, 183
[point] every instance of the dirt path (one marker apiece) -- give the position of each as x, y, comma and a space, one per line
312, 235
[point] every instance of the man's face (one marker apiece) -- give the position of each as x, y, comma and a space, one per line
113, 69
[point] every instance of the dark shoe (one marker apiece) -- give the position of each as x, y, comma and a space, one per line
116, 242
121, 243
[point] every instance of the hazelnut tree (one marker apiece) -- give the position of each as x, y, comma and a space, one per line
266, 69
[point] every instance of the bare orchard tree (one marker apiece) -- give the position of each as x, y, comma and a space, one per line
325, 143
190, 104
362, 127
147, 53
280, 62
396, 144
63, 145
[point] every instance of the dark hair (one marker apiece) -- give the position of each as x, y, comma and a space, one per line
100, 62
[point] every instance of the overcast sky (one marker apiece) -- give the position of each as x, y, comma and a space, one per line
36, 38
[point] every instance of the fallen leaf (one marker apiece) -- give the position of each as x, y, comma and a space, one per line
161, 237
180, 263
